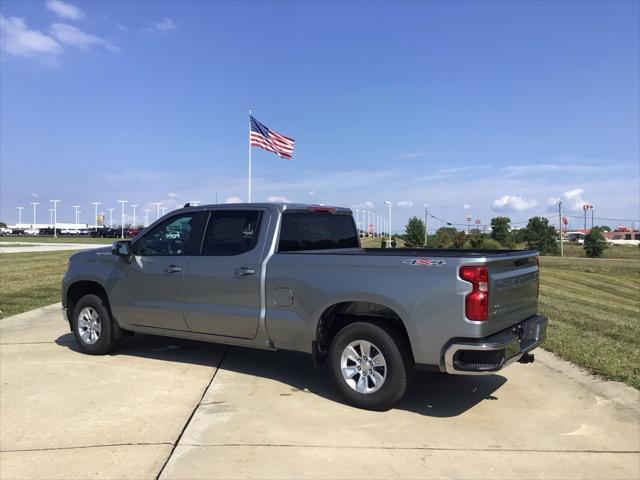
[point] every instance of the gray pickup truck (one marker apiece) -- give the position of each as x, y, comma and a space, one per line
283, 276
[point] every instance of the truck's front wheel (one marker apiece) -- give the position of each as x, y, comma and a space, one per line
92, 326
369, 366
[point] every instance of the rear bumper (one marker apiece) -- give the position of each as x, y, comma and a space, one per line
488, 355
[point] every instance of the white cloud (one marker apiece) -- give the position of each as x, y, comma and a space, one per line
233, 200
405, 204
73, 36
65, 10
278, 199
451, 171
164, 25
173, 195
466, 207
17, 39
367, 204
571, 200
513, 203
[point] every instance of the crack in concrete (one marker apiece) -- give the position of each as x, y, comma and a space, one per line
98, 445
186, 424
443, 449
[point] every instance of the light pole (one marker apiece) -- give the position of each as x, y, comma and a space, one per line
19, 216
134, 214
157, 204
426, 220
35, 204
111, 217
389, 239
164, 210
146, 218
560, 225
95, 216
51, 217
55, 216
122, 202
76, 208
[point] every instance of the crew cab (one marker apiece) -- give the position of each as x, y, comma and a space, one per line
285, 276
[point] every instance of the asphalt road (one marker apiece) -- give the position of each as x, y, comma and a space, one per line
170, 408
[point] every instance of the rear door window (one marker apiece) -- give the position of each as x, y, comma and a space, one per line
316, 231
231, 232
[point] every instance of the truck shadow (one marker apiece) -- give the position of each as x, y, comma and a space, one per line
430, 394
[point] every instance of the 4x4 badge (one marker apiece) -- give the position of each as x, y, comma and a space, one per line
425, 261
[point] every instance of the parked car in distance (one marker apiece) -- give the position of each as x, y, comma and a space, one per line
283, 276
4, 231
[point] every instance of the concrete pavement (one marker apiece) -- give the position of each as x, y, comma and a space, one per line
272, 415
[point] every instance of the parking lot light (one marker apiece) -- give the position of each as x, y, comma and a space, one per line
122, 202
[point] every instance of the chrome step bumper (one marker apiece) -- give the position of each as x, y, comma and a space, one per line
487, 355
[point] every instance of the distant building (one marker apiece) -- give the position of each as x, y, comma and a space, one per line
623, 236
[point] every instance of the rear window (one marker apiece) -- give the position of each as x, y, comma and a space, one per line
316, 231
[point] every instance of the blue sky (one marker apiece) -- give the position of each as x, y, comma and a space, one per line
481, 107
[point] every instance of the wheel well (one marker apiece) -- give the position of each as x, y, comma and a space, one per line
79, 289
338, 316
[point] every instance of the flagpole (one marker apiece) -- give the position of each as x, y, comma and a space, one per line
249, 196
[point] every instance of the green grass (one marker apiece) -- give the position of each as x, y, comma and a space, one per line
373, 242
25, 239
614, 251
593, 307
30, 280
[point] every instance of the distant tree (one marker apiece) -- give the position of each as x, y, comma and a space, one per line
541, 236
518, 235
459, 239
603, 228
445, 236
500, 229
3, 225
476, 239
394, 244
594, 243
414, 233
491, 244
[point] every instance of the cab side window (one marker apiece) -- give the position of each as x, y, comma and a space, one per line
231, 233
169, 238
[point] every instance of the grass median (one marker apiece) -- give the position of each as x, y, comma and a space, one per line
593, 305
30, 280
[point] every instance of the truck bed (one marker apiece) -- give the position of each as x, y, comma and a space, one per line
419, 252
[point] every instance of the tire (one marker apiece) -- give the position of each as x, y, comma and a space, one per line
379, 388
92, 326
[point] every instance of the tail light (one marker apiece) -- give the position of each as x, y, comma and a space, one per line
321, 209
477, 302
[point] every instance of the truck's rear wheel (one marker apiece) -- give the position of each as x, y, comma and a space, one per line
92, 326
369, 366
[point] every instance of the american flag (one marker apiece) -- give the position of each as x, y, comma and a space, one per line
261, 136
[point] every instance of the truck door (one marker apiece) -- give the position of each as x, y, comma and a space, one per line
222, 284
148, 290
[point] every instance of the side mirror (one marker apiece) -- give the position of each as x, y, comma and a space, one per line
122, 248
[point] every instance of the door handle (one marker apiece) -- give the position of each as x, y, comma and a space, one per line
172, 269
244, 271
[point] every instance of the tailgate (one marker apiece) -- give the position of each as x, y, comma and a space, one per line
513, 290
